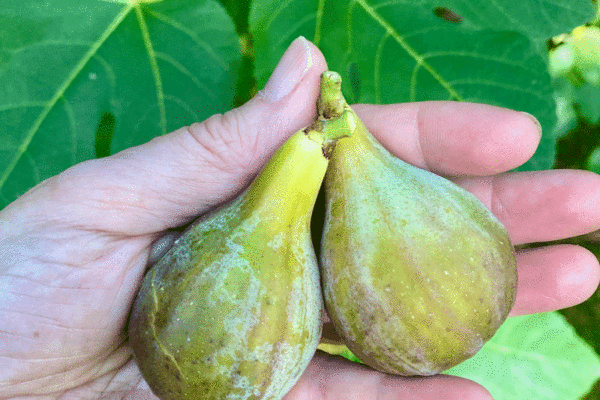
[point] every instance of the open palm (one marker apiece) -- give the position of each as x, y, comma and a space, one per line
75, 247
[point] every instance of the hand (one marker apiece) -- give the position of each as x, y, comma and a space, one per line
75, 247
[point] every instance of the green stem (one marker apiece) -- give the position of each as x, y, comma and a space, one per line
331, 102
340, 127
336, 119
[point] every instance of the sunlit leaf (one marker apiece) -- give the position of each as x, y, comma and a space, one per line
64, 64
534, 357
414, 51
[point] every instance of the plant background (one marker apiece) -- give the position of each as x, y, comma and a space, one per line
85, 79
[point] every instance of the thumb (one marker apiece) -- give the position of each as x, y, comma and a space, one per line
208, 163
173, 178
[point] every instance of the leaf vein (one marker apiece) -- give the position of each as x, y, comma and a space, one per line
49, 43
412, 52
201, 43
7, 107
283, 5
319, 19
178, 66
60, 92
110, 73
73, 125
283, 38
499, 60
155, 70
377, 67
490, 83
183, 105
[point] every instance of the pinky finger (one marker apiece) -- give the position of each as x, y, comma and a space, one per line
554, 277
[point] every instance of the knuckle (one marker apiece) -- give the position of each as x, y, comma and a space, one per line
223, 140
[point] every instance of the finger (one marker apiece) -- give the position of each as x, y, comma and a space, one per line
554, 277
335, 378
541, 206
218, 157
171, 179
454, 138
550, 278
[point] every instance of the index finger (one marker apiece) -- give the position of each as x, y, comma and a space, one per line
454, 138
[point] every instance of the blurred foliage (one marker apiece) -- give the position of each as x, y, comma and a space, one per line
239, 12
574, 63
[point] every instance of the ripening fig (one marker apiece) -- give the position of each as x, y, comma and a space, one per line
233, 309
417, 274
561, 59
586, 44
585, 41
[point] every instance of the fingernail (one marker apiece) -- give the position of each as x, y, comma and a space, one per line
292, 67
535, 121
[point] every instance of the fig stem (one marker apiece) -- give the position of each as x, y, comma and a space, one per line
331, 102
340, 127
335, 115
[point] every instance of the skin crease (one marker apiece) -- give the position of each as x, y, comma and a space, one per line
75, 247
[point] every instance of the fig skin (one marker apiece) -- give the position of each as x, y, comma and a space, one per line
417, 274
233, 309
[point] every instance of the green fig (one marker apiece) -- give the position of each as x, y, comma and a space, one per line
417, 274
233, 309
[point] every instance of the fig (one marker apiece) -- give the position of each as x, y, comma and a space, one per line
233, 309
417, 273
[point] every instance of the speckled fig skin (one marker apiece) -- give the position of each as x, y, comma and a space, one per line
233, 310
417, 273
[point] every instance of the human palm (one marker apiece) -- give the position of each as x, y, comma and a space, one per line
76, 246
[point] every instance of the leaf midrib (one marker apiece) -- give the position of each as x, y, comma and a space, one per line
61, 91
412, 52
155, 70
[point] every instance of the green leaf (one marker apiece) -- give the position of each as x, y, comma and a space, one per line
238, 10
538, 20
533, 357
392, 52
587, 97
536, 357
69, 70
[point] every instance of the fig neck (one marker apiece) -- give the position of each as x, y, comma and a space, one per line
288, 185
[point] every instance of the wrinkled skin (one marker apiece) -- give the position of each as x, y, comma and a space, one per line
76, 246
